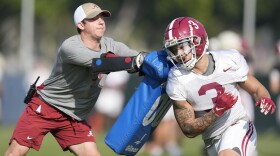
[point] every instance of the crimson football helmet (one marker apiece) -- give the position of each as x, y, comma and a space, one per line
191, 35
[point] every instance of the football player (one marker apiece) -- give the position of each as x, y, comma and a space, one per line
203, 87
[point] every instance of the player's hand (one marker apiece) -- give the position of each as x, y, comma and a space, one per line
224, 102
266, 105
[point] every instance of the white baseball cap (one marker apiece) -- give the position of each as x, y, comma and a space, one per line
88, 10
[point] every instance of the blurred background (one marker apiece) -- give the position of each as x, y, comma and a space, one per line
31, 31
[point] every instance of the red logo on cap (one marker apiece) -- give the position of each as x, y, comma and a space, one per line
95, 6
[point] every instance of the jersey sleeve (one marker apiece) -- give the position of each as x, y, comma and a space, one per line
241, 67
174, 89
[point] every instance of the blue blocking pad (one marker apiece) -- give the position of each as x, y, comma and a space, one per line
140, 117
156, 65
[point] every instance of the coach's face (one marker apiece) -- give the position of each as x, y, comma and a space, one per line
94, 27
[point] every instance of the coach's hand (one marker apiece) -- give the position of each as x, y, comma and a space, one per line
266, 105
140, 59
224, 102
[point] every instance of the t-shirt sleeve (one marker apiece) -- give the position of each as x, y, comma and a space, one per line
118, 48
77, 54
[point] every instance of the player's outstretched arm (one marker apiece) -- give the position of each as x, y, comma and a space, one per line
192, 126
260, 94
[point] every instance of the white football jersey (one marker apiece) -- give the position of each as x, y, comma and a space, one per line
201, 91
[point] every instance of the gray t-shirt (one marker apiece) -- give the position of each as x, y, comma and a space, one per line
70, 87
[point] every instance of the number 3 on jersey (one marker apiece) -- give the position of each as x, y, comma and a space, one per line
214, 85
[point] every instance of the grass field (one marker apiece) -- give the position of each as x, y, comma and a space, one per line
268, 145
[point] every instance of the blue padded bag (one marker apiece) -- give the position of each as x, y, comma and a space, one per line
140, 117
144, 110
156, 65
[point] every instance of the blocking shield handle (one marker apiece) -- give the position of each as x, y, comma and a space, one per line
105, 65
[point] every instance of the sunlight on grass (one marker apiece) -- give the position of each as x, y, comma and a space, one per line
268, 145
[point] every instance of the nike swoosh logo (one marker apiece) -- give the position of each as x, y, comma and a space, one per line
219, 109
225, 70
29, 138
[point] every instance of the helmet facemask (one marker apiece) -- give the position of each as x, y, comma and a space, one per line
185, 46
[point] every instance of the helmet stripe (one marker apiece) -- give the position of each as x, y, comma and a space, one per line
170, 29
191, 29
